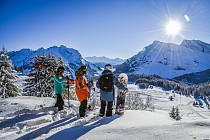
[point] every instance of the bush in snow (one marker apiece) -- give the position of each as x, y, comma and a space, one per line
178, 117
8, 78
172, 113
134, 101
175, 114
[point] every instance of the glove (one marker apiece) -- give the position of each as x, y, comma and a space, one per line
90, 84
70, 81
125, 91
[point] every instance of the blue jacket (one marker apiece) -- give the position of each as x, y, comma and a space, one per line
59, 84
109, 96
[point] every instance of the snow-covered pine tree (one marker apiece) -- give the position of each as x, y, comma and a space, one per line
40, 82
149, 104
8, 77
134, 101
177, 114
172, 113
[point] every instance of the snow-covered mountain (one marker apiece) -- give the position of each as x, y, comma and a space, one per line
101, 61
169, 60
70, 56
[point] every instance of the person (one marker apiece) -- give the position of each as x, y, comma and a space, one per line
106, 84
82, 90
59, 86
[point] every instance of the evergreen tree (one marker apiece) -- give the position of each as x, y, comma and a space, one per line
8, 78
175, 114
172, 113
41, 81
178, 117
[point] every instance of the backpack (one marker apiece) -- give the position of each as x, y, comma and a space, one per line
106, 83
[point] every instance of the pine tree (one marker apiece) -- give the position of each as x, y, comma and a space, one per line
8, 78
178, 117
172, 113
175, 114
41, 82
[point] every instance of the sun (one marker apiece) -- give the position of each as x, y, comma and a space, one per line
173, 28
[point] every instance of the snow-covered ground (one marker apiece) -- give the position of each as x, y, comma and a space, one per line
25, 118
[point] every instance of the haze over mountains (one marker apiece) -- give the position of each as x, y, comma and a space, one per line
101, 61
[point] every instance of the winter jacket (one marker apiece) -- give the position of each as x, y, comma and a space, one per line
59, 84
82, 90
109, 96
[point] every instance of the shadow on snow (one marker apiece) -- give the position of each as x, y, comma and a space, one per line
77, 131
23, 115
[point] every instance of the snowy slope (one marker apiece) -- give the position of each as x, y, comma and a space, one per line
169, 60
26, 118
70, 56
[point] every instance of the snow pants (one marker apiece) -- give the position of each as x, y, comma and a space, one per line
59, 102
82, 108
120, 102
109, 108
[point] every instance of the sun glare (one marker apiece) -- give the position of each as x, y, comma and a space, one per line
173, 28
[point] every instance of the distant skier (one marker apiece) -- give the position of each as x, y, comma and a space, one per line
106, 84
59, 86
82, 89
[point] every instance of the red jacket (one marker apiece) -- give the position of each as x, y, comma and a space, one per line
82, 90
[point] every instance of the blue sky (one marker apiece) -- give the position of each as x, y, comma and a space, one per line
112, 28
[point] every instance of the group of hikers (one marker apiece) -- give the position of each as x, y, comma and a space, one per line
105, 83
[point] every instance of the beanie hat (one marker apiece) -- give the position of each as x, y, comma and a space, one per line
108, 67
60, 70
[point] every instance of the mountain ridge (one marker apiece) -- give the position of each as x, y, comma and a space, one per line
70, 56
168, 59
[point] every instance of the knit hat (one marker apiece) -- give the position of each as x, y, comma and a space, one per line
108, 67
60, 70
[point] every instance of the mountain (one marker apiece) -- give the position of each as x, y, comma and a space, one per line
101, 61
71, 57
169, 60
196, 45
195, 78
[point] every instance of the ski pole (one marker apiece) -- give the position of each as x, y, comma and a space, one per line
68, 96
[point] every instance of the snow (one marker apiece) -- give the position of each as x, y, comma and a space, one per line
70, 56
27, 117
171, 60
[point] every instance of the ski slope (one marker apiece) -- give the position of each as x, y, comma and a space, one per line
25, 117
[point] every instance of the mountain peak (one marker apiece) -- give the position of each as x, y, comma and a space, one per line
63, 46
156, 42
196, 45
169, 60
70, 56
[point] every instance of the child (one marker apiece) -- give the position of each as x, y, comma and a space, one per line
59, 86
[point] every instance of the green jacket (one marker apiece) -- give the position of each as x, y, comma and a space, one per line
59, 84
